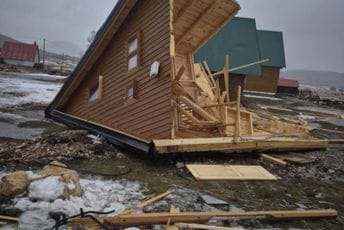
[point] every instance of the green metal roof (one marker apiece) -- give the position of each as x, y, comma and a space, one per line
239, 40
271, 47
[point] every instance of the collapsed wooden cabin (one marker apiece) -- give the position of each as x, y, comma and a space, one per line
138, 87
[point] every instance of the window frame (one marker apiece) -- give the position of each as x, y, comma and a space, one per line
137, 52
98, 86
133, 86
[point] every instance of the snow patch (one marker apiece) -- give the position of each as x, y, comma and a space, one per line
46, 189
98, 195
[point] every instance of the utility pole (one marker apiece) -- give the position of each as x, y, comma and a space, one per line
62, 60
43, 53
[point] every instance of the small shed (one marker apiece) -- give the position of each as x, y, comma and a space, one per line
288, 86
271, 47
239, 40
20, 54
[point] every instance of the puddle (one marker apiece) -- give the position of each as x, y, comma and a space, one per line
13, 131
315, 109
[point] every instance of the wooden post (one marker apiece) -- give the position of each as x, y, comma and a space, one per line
238, 123
226, 75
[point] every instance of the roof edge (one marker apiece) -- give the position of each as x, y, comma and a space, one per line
87, 54
116, 138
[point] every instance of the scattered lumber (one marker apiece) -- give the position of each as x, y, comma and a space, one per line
9, 218
202, 226
149, 201
3, 223
229, 172
172, 227
295, 158
330, 130
336, 141
273, 159
147, 219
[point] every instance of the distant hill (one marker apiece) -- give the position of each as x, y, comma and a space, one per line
4, 38
316, 78
64, 47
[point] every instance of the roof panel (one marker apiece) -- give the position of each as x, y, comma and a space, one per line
239, 40
272, 47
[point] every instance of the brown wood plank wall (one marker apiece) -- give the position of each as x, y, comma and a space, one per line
149, 115
265, 83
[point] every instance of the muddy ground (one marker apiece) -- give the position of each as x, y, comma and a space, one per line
316, 185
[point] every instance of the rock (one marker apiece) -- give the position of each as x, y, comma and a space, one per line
180, 165
14, 183
67, 176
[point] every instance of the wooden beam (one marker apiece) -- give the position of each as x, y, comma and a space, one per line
9, 218
210, 74
226, 76
180, 73
183, 111
273, 159
237, 117
146, 219
149, 201
202, 226
172, 227
241, 67
197, 109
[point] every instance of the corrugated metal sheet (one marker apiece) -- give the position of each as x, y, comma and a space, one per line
271, 46
19, 51
239, 40
288, 83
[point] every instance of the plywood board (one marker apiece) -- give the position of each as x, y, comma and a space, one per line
229, 172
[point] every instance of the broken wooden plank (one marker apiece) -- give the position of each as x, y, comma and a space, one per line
148, 201
203, 226
172, 227
238, 119
273, 159
9, 218
3, 223
146, 219
295, 158
229, 172
336, 141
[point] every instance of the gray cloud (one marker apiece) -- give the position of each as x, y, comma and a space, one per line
313, 29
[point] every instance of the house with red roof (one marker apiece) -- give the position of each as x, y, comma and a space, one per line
20, 54
287, 86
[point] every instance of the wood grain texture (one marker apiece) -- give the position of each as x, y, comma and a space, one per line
148, 116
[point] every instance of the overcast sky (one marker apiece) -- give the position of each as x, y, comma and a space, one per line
313, 29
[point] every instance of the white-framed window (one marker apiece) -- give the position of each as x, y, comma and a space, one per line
133, 52
95, 92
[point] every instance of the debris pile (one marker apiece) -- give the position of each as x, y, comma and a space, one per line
62, 146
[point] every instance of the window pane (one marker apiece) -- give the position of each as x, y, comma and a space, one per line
133, 46
132, 63
130, 93
94, 94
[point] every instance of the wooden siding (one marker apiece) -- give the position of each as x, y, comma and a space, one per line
234, 81
149, 115
265, 83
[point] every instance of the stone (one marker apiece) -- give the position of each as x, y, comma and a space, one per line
180, 165
14, 183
